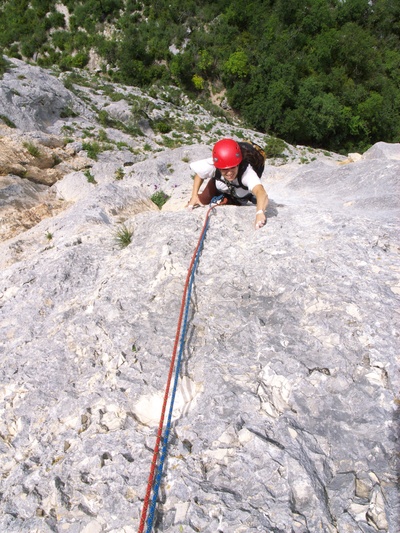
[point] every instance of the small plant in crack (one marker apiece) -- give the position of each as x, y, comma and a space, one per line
123, 236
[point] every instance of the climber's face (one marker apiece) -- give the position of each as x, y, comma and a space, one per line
230, 173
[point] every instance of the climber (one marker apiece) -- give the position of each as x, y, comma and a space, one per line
234, 171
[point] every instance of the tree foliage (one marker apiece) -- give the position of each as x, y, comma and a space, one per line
320, 72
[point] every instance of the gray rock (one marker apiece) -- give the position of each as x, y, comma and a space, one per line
383, 150
33, 99
286, 412
120, 111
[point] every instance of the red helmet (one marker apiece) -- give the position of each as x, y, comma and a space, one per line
226, 154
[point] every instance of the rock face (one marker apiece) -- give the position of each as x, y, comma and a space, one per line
287, 409
34, 100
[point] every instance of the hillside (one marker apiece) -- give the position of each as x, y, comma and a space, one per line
286, 415
321, 73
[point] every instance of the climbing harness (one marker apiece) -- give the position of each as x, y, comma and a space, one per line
156, 470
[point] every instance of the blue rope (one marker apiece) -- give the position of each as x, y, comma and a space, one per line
164, 449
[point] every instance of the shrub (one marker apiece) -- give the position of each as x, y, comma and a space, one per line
162, 127
120, 145
198, 82
105, 119
170, 143
159, 198
56, 20
207, 127
32, 149
80, 60
275, 147
92, 149
188, 126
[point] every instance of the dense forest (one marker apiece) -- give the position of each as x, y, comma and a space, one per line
323, 73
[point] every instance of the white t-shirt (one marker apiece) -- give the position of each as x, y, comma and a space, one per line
205, 169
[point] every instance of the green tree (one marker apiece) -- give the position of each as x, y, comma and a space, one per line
198, 82
237, 65
357, 11
205, 61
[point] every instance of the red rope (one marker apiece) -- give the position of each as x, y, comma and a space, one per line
170, 374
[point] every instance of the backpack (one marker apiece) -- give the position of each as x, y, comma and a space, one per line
254, 154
